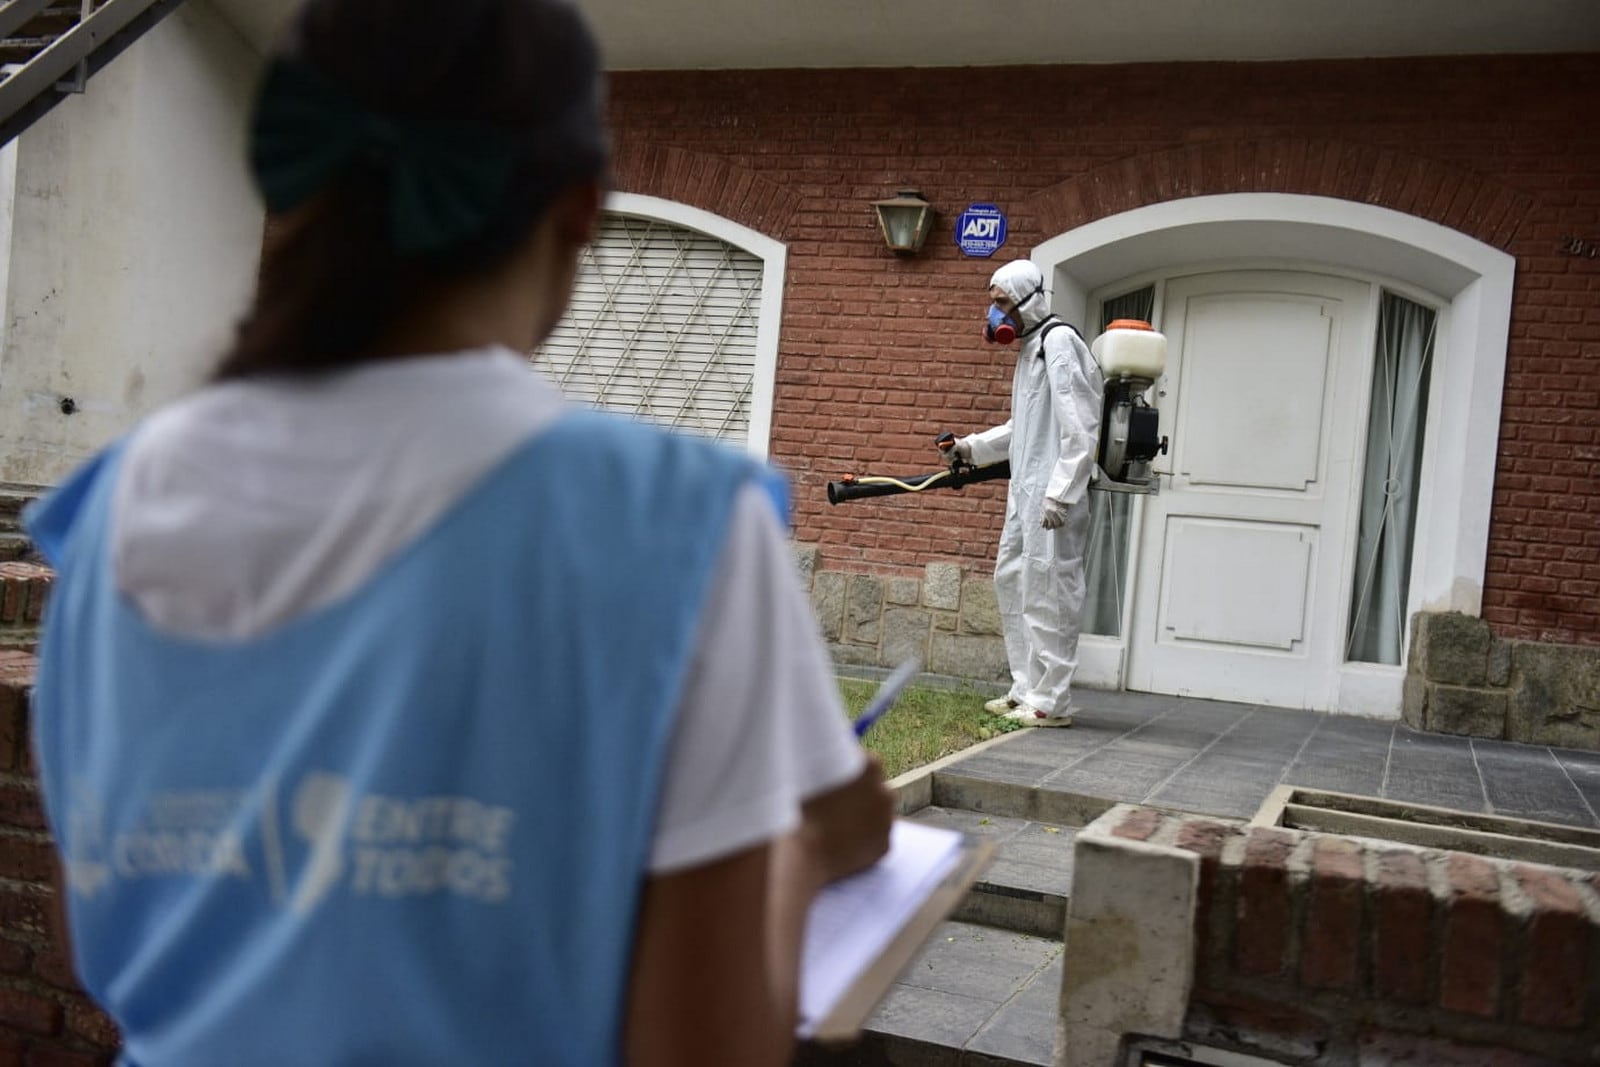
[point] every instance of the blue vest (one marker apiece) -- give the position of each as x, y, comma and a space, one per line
410, 827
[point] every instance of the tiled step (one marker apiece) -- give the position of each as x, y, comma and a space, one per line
983, 790
976, 995
984, 989
1025, 889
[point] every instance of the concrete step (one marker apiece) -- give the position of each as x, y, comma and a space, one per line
984, 990
12, 500
14, 542
988, 789
976, 995
15, 546
1025, 889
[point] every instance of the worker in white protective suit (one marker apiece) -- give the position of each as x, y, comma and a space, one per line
1050, 440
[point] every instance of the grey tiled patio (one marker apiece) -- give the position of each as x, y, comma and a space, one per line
1223, 759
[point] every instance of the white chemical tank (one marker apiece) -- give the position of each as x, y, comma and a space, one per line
1130, 348
1132, 355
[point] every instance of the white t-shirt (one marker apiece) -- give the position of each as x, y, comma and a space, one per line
248, 504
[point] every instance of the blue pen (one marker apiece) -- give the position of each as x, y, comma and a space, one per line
885, 697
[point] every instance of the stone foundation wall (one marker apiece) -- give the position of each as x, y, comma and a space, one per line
947, 618
1462, 679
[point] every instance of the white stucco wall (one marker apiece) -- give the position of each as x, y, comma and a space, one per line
133, 243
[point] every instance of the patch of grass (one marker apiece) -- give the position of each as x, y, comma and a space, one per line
924, 725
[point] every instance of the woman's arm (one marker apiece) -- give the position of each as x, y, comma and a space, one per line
717, 958
701, 986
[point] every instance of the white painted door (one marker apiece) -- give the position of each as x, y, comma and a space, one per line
1243, 578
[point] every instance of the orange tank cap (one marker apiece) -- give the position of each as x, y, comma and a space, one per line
1129, 324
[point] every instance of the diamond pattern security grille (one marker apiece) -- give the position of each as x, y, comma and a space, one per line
662, 325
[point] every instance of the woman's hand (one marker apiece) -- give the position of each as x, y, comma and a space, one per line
847, 829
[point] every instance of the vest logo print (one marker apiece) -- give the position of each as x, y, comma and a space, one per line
318, 813
83, 859
391, 846
368, 845
180, 833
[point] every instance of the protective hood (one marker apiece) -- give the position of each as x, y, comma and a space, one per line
1020, 279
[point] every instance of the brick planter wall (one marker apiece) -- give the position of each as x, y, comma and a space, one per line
1319, 949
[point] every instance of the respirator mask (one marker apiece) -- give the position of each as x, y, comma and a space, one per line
1001, 328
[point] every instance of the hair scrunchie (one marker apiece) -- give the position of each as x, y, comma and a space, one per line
445, 179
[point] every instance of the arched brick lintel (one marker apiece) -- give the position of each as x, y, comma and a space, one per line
1416, 185
707, 182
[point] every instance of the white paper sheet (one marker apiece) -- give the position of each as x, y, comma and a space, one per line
854, 919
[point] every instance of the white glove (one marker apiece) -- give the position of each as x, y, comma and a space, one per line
1053, 515
960, 450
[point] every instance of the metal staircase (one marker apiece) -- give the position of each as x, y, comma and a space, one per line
50, 49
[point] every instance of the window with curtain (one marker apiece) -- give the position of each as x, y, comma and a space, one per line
1400, 375
1106, 562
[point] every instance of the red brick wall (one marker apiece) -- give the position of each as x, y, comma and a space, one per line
24, 588
1324, 943
45, 1020
878, 354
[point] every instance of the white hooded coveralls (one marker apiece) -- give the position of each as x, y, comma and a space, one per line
1050, 440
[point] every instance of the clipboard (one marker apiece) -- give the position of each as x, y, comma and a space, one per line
844, 1020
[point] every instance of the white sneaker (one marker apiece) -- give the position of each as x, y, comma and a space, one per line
999, 705
1028, 715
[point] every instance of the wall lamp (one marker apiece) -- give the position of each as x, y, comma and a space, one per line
905, 219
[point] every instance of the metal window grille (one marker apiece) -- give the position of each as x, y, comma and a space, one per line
662, 326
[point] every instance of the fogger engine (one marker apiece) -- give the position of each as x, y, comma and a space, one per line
1132, 357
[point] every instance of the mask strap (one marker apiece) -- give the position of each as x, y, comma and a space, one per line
1041, 324
1017, 310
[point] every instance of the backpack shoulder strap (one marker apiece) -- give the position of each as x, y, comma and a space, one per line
1051, 323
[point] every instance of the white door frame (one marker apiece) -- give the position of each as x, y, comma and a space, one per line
1312, 232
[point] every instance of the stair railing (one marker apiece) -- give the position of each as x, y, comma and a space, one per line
68, 61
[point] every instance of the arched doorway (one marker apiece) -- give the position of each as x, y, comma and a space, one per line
1279, 241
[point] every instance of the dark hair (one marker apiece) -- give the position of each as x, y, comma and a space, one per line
527, 71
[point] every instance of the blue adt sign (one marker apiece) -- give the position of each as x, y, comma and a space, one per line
980, 230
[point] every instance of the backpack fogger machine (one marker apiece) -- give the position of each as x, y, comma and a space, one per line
1132, 357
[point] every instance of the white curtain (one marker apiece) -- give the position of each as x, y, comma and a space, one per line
1389, 491
1106, 563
